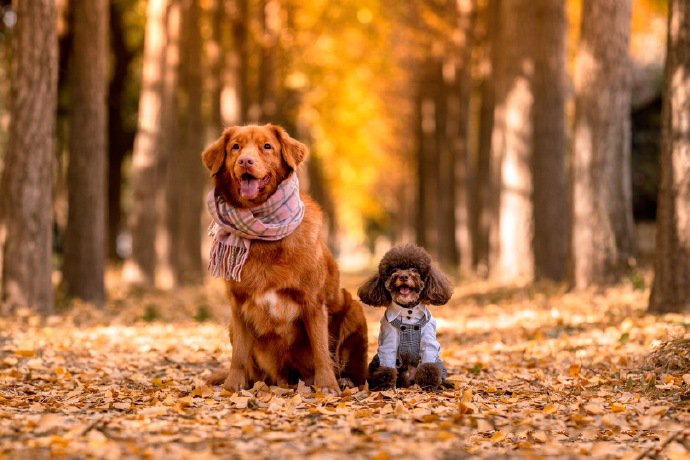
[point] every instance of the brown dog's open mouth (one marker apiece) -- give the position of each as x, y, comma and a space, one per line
250, 185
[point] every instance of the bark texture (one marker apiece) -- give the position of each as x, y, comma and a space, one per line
85, 237
26, 198
603, 231
550, 197
671, 288
185, 174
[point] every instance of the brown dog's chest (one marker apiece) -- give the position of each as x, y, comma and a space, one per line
271, 314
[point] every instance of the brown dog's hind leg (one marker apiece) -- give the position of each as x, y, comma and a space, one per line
217, 377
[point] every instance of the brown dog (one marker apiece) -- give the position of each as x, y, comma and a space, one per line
290, 320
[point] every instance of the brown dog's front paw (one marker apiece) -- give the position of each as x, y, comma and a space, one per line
429, 376
383, 378
327, 384
218, 377
345, 382
236, 380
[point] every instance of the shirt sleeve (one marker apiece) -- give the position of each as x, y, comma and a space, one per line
388, 344
429, 347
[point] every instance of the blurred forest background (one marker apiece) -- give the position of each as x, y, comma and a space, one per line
515, 139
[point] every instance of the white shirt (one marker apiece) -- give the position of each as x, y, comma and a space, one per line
429, 348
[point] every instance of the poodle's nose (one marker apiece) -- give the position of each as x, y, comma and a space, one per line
403, 277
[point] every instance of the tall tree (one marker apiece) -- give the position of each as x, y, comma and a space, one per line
485, 211
602, 226
85, 237
140, 268
671, 288
120, 134
185, 173
428, 92
549, 143
26, 198
512, 140
458, 129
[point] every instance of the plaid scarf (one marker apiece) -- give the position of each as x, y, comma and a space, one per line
233, 228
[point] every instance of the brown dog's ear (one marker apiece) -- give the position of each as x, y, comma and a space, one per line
294, 152
373, 292
437, 288
214, 155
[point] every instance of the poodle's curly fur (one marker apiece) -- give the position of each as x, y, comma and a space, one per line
437, 288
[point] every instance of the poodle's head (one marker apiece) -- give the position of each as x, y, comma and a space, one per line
406, 276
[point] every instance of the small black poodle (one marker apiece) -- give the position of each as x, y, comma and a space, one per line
408, 351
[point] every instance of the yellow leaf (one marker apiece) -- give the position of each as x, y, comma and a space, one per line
498, 437
593, 409
539, 436
467, 395
467, 408
186, 401
618, 407
400, 408
25, 353
204, 391
686, 379
445, 436
381, 456
574, 370
550, 409
239, 402
657, 410
483, 425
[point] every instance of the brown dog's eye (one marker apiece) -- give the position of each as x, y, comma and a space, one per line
235, 146
267, 147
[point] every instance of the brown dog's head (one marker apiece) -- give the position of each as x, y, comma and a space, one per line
247, 163
407, 277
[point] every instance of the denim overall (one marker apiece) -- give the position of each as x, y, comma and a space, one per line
410, 339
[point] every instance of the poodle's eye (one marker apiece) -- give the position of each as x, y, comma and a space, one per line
235, 146
414, 269
267, 147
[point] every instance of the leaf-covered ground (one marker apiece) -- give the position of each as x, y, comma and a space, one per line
537, 372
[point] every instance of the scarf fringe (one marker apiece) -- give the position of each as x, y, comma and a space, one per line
226, 261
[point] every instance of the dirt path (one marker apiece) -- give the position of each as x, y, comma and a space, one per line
536, 372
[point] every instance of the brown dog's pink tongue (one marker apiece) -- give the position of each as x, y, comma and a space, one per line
249, 187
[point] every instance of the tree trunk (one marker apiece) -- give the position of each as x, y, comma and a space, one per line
26, 199
186, 178
85, 237
443, 178
427, 159
551, 225
459, 124
602, 238
120, 137
671, 288
268, 73
513, 140
241, 43
485, 194
140, 268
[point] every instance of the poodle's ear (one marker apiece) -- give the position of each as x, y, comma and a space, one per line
214, 155
373, 292
437, 288
294, 152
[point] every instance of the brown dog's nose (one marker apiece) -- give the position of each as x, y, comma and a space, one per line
404, 277
246, 162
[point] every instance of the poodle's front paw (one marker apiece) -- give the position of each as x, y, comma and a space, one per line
429, 376
383, 378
